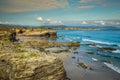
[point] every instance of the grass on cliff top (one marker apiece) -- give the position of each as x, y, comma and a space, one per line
30, 55
4, 39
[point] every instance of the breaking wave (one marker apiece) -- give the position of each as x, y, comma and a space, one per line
96, 41
117, 69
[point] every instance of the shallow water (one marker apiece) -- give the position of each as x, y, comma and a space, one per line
101, 38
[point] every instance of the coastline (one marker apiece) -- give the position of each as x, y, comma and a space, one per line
69, 57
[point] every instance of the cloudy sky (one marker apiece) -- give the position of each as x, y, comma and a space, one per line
60, 12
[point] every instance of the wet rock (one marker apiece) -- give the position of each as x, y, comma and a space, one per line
75, 52
75, 48
106, 48
85, 66
73, 44
106, 61
104, 55
92, 44
116, 57
90, 52
73, 57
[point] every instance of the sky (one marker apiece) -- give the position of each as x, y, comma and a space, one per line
60, 12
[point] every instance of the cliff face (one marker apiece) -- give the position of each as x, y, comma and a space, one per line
31, 67
18, 62
39, 33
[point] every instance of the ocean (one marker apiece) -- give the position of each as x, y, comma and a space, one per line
101, 39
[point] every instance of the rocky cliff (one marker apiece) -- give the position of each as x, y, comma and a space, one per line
31, 67
19, 63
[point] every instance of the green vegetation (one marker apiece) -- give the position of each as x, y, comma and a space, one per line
28, 55
22, 57
5, 39
33, 55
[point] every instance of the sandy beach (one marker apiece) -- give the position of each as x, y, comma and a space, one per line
99, 72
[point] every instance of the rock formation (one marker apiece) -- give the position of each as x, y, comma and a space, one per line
30, 66
18, 62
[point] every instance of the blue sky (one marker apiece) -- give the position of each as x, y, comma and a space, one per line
60, 12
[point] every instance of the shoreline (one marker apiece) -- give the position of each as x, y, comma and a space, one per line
100, 71
70, 58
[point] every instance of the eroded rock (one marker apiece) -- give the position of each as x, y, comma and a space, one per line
30, 66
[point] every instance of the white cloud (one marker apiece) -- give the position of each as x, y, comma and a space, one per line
6, 22
49, 21
83, 22
100, 22
53, 22
40, 19
107, 22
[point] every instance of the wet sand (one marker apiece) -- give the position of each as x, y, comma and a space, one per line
99, 72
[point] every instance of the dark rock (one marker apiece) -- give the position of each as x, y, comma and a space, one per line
116, 57
106, 61
106, 48
75, 52
73, 57
12, 37
75, 48
104, 55
91, 44
20, 31
90, 52
85, 66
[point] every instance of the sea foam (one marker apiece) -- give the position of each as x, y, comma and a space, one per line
116, 51
94, 59
117, 69
96, 41
69, 39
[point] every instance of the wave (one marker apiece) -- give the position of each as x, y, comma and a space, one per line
116, 51
68, 39
96, 41
94, 59
117, 69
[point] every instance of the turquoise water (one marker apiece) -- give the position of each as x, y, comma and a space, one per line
101, 38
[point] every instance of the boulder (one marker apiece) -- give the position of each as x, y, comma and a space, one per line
30, 66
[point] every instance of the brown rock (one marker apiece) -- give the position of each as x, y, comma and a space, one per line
31, 67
